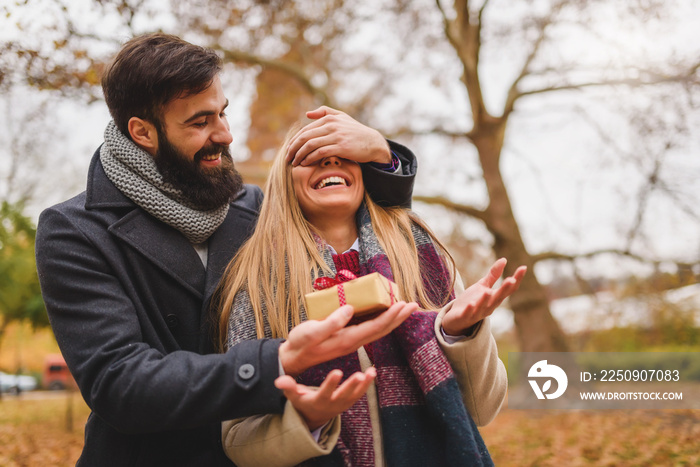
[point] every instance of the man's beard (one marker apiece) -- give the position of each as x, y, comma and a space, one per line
204, 188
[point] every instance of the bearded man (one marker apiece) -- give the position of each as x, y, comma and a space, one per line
128, 267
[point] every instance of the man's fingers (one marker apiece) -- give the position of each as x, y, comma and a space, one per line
306, 141
300, 139
312, 342
352, 337
296, 151
371, 330
333, 322
322, 112
315, 150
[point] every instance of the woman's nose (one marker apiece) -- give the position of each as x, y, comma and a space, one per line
332, 160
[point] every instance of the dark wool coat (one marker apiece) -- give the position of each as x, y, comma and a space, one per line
128, 300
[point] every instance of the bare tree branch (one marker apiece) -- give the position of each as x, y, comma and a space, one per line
482, 9
465, 37
237, 56
644, 194
513, 93
460, 208
552, 255
631, 82
406, 131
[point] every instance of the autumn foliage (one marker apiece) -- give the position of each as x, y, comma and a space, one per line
33, 432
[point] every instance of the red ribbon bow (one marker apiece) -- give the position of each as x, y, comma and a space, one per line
326, 282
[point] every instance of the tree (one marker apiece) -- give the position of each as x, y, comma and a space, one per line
487, 73
20, 294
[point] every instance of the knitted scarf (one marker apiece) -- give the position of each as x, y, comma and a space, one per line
134, 173
423, 419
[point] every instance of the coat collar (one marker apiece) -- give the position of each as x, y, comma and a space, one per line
163, 245
158, 242
100, 191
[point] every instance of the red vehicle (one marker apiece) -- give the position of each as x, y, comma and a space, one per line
56, 375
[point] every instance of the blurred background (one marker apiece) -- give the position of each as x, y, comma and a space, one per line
560, 134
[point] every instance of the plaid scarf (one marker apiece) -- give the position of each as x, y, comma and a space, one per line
423, 419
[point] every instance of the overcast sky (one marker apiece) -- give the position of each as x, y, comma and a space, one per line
548, 160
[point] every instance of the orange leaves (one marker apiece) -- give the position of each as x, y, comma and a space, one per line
32, 432
594, 438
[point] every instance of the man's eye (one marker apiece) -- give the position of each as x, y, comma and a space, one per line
200, 124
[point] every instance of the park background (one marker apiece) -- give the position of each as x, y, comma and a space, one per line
560, 134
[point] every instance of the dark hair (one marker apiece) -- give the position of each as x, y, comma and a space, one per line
152, 70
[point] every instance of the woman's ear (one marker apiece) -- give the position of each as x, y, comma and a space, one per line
144, 134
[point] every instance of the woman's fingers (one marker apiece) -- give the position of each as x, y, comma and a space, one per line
494, 273
330, 384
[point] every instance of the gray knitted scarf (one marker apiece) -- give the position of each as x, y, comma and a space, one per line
133, 171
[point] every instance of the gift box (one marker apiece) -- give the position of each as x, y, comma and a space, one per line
368, 295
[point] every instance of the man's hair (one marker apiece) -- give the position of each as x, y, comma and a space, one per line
152, 70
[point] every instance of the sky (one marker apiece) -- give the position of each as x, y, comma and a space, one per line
570, 192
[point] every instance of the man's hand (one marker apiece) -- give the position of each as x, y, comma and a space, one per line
319, 406
480, 300
313, 342
334, 133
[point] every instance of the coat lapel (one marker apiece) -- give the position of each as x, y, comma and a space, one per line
163, 246
156, 241
225, 242
223, 245
169, 249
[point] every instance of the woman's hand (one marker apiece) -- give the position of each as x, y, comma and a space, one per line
480, 300
335, 133
319, 406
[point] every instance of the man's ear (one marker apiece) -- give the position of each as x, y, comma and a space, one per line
144, 134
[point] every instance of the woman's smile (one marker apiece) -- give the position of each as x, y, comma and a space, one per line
331, 181
329, 188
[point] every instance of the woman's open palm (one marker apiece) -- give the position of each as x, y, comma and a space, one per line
481, 299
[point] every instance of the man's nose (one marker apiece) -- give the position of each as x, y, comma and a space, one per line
221, 133
331, 160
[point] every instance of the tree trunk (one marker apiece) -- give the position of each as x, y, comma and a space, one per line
537, 331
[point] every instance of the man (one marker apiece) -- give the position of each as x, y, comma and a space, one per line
128, 268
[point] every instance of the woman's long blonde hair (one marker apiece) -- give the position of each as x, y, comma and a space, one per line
278, 263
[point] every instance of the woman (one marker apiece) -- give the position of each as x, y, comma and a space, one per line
414, 415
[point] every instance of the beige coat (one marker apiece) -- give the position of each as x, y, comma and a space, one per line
285, 440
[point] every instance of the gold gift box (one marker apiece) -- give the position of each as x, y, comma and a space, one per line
368, 294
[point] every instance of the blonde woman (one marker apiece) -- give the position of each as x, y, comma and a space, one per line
430, 381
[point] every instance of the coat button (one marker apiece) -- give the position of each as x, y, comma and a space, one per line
172, 321
246, 371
